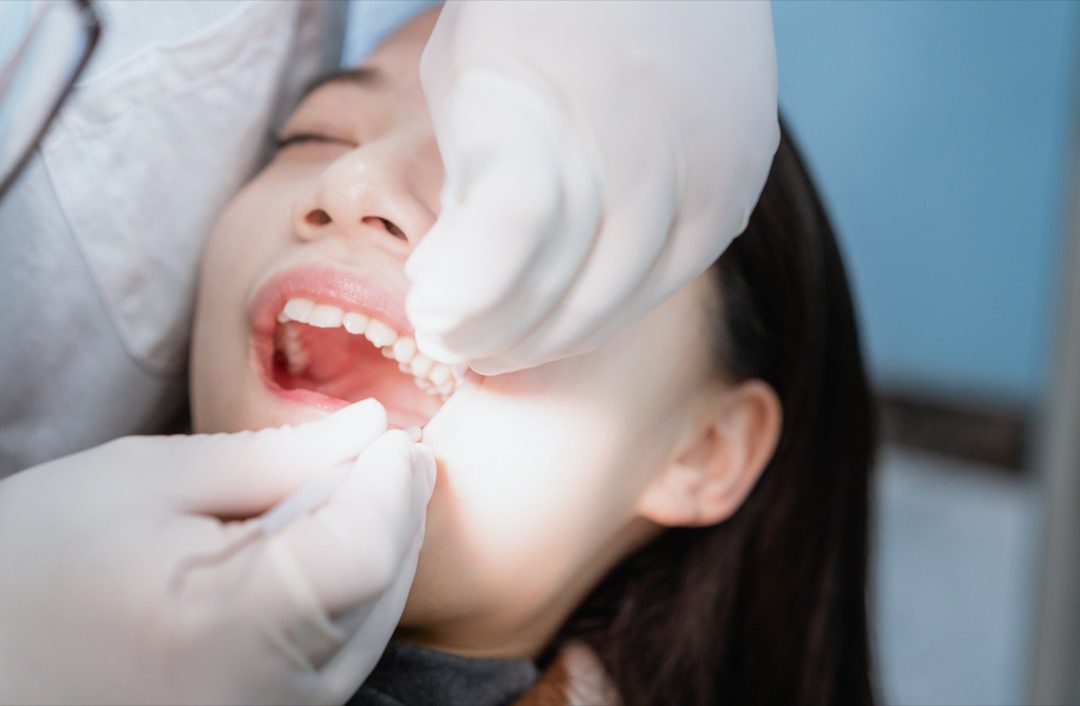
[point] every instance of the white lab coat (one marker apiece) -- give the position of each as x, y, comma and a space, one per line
100, 238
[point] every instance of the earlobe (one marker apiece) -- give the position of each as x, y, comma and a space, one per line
711, 475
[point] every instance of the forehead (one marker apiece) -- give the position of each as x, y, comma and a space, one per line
387, 86
394, 63
369, 77
354, 102
388, 81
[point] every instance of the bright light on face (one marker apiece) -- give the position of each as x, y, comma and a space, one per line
539, 471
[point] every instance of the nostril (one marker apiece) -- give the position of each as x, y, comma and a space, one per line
317, 217
390, 227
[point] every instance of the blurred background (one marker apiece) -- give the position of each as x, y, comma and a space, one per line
944, 138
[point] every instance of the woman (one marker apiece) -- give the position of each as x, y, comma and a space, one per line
687, 503
768, 606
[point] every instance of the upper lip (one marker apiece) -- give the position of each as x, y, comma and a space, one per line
357, 291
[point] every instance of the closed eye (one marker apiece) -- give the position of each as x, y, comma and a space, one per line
300, 138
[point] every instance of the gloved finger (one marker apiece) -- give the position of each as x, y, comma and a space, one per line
524, 202
631, 244
491, 233
677, 265
369, 630
238, 475
352, 549
626, 255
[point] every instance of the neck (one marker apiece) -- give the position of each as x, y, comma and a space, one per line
525, 636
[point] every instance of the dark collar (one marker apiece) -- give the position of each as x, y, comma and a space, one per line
409, 675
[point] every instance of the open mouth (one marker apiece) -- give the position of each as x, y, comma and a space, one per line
327, 354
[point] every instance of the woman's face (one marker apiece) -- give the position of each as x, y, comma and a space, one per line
540, 472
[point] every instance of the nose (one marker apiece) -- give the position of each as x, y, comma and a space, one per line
387, 187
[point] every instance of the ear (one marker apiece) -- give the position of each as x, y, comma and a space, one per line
727, 448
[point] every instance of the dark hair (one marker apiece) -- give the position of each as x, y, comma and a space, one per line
769, 606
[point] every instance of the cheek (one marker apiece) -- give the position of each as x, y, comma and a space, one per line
240, 246
524, 489
521, 471
541, 470
532, 486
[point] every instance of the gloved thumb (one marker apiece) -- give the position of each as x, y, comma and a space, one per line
352, 548
523, 197
243, 474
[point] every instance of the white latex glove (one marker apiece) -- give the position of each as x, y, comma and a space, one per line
110, 592
599, 156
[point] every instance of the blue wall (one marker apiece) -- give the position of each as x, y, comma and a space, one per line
941, 134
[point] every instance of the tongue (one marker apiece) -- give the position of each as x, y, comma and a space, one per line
347, 367
338, 358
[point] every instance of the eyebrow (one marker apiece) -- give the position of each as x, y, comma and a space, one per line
366, 76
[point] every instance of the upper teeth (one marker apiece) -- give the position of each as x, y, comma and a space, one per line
432, 377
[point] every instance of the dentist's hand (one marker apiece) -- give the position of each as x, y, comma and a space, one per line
116, 585
599, 156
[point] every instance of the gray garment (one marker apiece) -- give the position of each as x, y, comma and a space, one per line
409, 675
100, 237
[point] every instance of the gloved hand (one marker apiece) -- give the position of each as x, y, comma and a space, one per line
599, 156
115, 585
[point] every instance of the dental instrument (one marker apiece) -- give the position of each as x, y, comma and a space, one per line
313, 494
307, 498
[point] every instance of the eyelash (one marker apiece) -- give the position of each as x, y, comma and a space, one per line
303, 137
